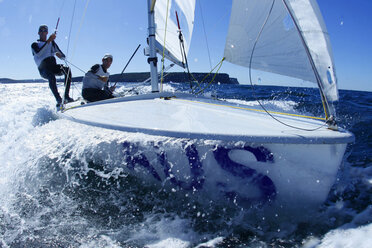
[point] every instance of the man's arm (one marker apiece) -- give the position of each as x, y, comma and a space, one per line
59, 53
36, 49
94, 69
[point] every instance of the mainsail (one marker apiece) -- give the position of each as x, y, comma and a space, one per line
167, 21
293, 42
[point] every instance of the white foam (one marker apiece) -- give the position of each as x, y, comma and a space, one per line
211, 243
272, 105
169, 242
360, 237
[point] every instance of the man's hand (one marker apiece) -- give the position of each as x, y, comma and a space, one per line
60, 56
51, 38
112, 88
104, 79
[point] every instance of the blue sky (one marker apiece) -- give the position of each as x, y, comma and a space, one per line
118, 26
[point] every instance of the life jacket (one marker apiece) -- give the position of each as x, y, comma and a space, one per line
91, 78
44, 52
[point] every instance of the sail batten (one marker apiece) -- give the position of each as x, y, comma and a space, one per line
278, 45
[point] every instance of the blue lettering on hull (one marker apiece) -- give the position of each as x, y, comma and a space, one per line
263, 182
134, 157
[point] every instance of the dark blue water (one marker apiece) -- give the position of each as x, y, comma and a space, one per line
58, 187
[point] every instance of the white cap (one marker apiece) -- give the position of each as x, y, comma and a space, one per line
107, 55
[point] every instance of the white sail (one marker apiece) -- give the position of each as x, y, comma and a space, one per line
185, 10
279, 48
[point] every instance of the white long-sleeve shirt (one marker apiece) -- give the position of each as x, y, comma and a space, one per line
92, 80
42, 50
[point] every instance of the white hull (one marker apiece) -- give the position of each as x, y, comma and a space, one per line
225, 150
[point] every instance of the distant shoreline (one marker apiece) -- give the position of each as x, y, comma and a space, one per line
176, 77
78, 79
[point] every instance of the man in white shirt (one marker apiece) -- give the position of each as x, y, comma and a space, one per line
43, 51
95, 81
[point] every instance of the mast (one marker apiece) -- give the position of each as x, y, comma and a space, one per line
152, 59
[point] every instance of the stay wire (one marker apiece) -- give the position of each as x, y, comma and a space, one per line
205, 35
60, 9
190, 75
68, 62
219, 65
68, 73
184, 58
69, 34
81, 24
68, 48
250, 78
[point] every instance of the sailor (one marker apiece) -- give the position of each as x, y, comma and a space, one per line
43, 51
95, 81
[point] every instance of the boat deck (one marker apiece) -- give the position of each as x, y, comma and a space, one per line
184, 116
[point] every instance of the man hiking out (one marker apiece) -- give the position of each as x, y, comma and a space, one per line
43, 51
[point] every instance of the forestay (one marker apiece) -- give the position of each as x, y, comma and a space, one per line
167, 20
280, 49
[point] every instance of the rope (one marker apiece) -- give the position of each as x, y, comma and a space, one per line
215, 74
75, 66
250, 78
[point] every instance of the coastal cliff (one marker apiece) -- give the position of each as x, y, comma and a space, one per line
175, 77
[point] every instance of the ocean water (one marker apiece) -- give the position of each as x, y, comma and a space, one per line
62, 183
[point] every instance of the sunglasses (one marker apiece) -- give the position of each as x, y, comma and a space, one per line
43, 30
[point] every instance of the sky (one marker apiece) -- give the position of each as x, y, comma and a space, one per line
97, 27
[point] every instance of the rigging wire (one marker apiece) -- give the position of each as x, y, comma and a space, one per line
60, 12
250, 78
184, 57
219, 65
69, 34
183, 51
205, 35
69, 71
81, 24
67, 62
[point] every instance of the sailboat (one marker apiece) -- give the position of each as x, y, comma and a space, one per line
228, 151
